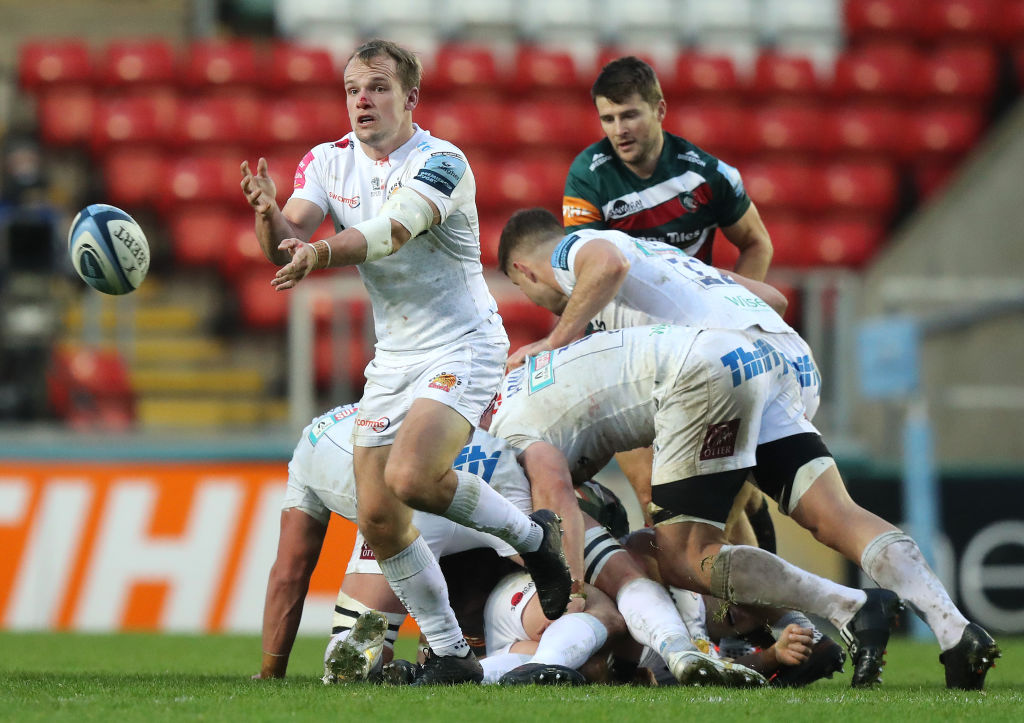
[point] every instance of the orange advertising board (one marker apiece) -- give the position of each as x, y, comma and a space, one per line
131, 546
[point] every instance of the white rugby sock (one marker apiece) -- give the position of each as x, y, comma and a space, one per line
478, 506
652, 617
692, 610
740, 573
496, 666
894, 561
416, 578
570, 640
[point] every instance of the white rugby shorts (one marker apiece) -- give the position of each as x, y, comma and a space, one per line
463, 375
503, 612
734, 392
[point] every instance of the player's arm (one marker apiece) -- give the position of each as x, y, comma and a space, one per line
551, 488
298, 549
581, 205
600, 268
766, 292
792, 648
299, 218
405, 215
750, 236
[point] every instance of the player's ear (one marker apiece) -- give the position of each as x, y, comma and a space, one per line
660, 110
523, 268
412, 99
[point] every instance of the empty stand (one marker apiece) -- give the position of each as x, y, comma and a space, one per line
880, 18
960, 19
134, 175
777, 75
46, 63
703, 73
960, 72
131, 64
212, 65
293, 67
65, 114
790, 128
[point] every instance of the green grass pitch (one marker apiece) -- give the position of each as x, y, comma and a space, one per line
167, 677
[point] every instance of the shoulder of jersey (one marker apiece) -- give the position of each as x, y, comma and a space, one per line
593, 157
687, 152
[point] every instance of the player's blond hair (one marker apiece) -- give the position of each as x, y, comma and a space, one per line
524, 231
407, 65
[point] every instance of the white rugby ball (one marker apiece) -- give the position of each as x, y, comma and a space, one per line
108, 249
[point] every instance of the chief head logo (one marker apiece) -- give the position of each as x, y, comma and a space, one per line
445, 381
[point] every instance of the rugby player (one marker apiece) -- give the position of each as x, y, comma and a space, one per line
403, 205
718, 404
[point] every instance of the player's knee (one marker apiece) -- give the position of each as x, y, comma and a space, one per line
377, 528
406, 482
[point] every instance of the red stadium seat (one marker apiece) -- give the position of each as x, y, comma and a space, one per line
212, 178
472, 123
841, 243
1010, 25
705, 74
43, 63
121, 120
134, 175
783, 186
880, 71
260, 305
788, 233
550, 123
215, 64
239, 251
217, 121
869, 128
532, 182
289, 121
874, 19
200, 233
355, 353
791, 128
961, 72
961, 19
91, 388
784, 75
463, 67
133, 63
65, 114
490, 233
868, 187
538, 70
524, 321
720, 128
945, 131
299, 66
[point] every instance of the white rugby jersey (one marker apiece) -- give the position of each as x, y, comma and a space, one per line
322, 480
594, 397
669, 286
432, 290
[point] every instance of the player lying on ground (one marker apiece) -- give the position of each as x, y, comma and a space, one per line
718, 405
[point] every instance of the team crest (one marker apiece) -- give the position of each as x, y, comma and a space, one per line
445, 381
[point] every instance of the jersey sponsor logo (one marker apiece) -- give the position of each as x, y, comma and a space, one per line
746, 364
578, 211
300, 170
352, 202
474, 459
445, 381
321, 425
366, 552
443, 171
343, 143
720, 440
542, 371
374, 425
598, 159
560, 256
622, 207
518, 596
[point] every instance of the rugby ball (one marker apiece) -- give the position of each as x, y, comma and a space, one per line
108, 249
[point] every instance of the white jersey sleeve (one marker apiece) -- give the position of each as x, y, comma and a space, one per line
309, 184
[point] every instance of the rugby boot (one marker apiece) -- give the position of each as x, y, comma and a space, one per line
867, 634
354, 657
968, 661
692, 667
542, 674
399, 672
547, 566
826, 658
449, 670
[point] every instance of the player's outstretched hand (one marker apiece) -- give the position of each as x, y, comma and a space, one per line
303, 257
518, 357
794, 645
259, 189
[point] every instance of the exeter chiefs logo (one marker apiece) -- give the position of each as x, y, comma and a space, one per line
445, 381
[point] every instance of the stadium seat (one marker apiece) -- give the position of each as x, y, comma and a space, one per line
720, 128
65, 115
944, 131
349, 356
702, 74
463, 68
540, 70
133, 63
212, 177
960, 19
293, 67
778, 75
788, 233
44, 63
216, 121
260, 306
961, 72
866, 187
209, 65
875, 19
524, 321
543, 124
490, 233
282, 163
849, 243
783, 185
90, 388
289, 121
134, 175
869, 128
1010, 24
790, 128
135, 120
880, 71
200, 233
532, 182
238, 248
473, 123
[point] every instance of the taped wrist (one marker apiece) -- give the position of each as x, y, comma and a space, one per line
347, 609
377, 232
322, 249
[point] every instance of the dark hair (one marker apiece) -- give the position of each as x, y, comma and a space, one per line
407, 65
526, 229
623, 77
